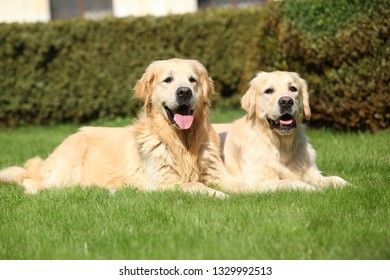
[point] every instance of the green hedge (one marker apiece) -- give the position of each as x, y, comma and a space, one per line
79, 70
346, 57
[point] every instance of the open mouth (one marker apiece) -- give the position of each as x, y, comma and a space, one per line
285, 124
182, 116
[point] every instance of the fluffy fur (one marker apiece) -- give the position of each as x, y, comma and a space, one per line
171, 144
267, 149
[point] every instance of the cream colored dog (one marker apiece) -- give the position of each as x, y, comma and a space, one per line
171, 144
267, 149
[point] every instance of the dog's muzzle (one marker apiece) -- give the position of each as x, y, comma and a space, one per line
182, 116
284, 125
183, 95
285, 104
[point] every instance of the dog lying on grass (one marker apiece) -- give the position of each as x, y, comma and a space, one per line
268, 149
172, 144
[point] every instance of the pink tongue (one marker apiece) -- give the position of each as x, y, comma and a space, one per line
184, 122
286, 122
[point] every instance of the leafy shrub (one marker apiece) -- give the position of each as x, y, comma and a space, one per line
345, 58
79, 70
345, 54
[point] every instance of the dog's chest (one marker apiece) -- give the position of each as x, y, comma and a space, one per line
169, 160
294, 156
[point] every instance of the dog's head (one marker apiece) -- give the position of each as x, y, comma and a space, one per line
177, 89
278, 98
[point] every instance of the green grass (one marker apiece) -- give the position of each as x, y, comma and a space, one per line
76, 223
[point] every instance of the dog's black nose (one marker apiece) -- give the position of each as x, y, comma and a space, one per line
183, 93
286, 102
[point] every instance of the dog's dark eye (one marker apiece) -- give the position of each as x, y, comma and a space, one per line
293, 89
192, 80
167, 80
269, 91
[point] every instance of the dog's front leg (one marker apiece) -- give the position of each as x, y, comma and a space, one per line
314, 177
197, 187
285, 184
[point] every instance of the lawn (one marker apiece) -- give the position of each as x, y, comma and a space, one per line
76, 223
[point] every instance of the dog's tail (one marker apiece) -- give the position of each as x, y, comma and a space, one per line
18, 174
29, 176
13, 174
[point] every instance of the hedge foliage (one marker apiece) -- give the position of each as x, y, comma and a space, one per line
79, 70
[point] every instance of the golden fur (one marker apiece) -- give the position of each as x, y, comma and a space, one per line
267, 149
154, 153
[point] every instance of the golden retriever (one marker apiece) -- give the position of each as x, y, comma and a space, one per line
267, 149
171, 144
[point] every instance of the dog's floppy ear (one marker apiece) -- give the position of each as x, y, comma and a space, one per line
144, 87
207, 89
305, 98
248, 100
207, 83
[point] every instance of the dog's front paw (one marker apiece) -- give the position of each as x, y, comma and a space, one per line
30, 187
302, 186
220, 195
30, 191
337, 181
